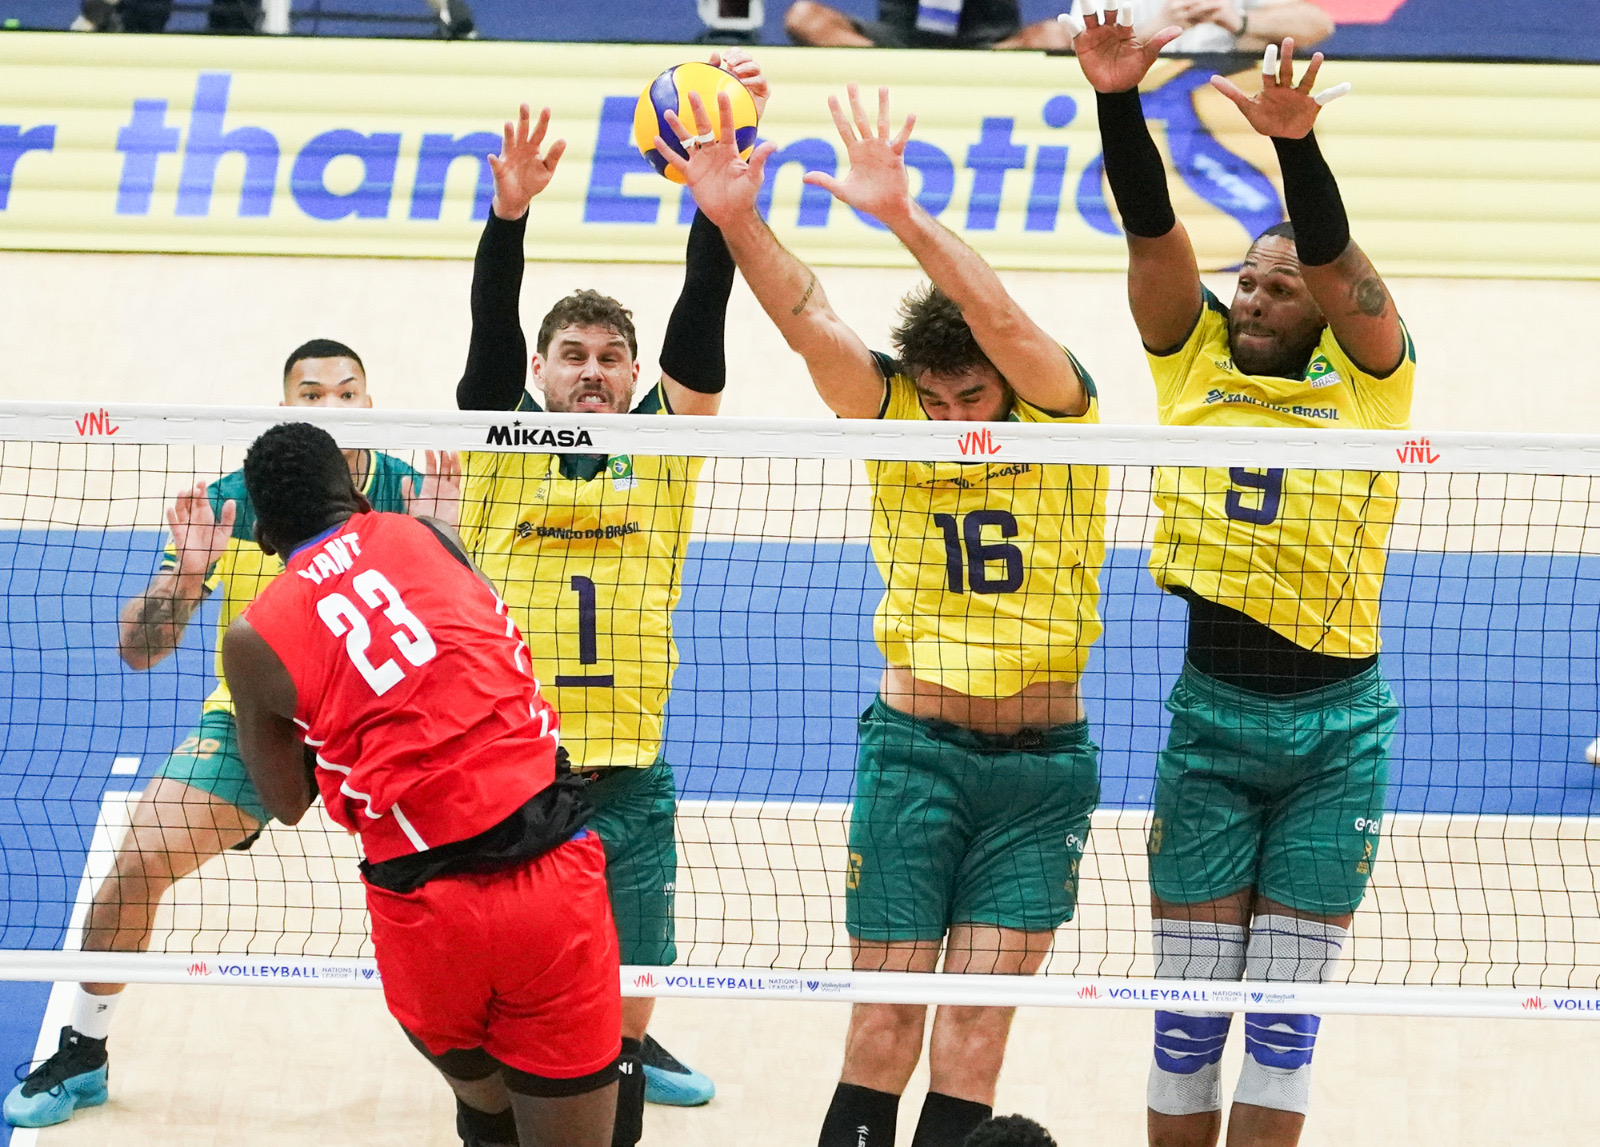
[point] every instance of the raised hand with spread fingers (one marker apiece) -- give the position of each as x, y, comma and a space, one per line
1113, 58
876, 183
1282, 108
522, 170
724, 184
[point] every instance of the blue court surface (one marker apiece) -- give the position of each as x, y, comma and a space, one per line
1493, 656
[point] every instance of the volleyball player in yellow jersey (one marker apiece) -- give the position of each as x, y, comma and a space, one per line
588, 551
200, 801
976, 775
1270, 791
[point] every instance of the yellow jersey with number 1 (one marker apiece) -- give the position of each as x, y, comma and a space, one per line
1300, 551
588, 555
992, 568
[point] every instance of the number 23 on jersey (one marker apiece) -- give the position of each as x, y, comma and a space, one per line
345, 619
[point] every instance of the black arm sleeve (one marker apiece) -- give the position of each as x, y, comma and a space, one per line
1321, 227
497, 356
692, 351
1134, 169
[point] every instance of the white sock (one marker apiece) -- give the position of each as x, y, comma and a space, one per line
91, 1015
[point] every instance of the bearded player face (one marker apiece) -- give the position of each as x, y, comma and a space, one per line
1274, 324
586, 369
977, 394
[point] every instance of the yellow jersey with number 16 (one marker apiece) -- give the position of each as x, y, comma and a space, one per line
588, 555
1300, 551
992, 568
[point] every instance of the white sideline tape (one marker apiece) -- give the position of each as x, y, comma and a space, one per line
616, 434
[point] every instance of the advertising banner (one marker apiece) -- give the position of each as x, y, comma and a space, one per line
374, 148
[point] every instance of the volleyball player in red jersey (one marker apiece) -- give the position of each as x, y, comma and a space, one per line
382, 669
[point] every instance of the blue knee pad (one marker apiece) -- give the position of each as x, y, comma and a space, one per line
1190, 1042
1185, 1074
1278, 1046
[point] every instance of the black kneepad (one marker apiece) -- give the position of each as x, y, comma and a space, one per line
481, 1129
629, 1128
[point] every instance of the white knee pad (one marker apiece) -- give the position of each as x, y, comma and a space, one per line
1185, 1075
1278, 1046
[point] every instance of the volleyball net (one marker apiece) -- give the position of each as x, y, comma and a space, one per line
1482, 900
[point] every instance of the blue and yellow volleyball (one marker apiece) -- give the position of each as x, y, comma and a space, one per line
670, 91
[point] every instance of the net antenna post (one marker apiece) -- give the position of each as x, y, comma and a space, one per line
275, 17
732, 21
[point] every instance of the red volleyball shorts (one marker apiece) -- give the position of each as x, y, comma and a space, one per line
521, 963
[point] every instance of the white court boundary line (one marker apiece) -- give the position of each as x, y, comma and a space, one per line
109, 828
68, 966
729, 437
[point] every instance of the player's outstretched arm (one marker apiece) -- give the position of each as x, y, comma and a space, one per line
725, 187
264, 706
1163, 276
694, 360
152, 623
1336, 271
877, 184
497, 354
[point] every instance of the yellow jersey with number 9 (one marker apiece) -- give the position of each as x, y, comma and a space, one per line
589, 558
991, 569
1300, 551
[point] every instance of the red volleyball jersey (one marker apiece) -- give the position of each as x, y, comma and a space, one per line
412, 683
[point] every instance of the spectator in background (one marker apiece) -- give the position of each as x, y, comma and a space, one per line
1232, 25
923, 24
1008, 1131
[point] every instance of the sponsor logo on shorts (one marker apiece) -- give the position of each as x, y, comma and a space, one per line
1369, 824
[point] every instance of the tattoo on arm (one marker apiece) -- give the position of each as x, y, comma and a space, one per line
154, 624
805, 298
1370, 297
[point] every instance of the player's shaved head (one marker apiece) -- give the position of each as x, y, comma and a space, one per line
299, 485
322, 348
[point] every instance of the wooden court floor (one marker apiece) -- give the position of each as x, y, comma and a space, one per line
194, 1066
277, 1067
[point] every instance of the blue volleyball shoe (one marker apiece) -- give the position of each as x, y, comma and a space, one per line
74, 1077
670, 1083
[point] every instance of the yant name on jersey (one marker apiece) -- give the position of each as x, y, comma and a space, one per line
334, 558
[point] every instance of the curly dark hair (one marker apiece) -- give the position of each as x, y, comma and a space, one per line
298, 482
1009, 1131
932, 335
588, 309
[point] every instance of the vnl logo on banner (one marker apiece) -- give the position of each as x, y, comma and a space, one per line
341, 147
